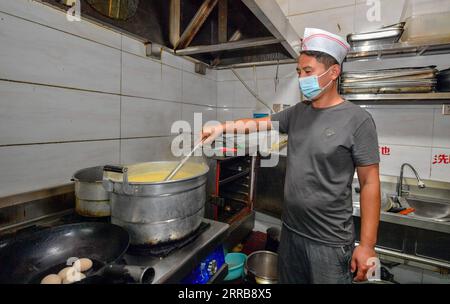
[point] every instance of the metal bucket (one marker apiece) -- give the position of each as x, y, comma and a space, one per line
91, 198
160, 211
261, 267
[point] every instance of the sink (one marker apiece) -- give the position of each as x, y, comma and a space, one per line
438, 210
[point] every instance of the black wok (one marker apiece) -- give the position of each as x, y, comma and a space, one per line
29, 257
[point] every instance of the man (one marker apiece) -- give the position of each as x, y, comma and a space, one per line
329, 138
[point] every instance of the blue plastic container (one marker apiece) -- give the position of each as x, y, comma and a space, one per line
235, 261
260, 115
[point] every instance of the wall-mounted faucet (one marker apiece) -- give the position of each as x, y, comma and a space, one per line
420, 183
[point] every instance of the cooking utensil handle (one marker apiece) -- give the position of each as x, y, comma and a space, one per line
117, 169
184, 160
127, 189
136, 274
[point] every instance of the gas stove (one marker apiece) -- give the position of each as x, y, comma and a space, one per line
195, 262
196, 259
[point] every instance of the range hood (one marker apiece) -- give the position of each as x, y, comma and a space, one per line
247, 31
218, 33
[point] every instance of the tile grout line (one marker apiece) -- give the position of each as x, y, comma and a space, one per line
432, 142
182, 96
404, 145
100, 92
84, 140
120, 108
168, 65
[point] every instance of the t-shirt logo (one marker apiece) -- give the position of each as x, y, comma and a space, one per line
329, 132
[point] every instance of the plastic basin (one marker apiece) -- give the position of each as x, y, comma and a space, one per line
235, 263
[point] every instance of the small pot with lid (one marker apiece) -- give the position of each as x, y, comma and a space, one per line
92, 200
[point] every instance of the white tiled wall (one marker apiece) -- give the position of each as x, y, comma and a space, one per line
31, 167
208, 113
38, 54
404, 126
347, 16
337, 20
39, 13
234, 101
75, 94
143, 117
145, 149
199, 90
35, 114
390, 13
441, 130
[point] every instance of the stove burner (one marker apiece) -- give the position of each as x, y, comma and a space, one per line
163, 250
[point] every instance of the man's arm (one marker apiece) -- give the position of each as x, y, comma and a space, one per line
245, 125
370, 203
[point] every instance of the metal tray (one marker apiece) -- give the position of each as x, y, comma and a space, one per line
385, 35
392, 79
402, 83
387, 90
399, 72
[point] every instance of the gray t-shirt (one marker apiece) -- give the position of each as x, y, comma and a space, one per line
324, 147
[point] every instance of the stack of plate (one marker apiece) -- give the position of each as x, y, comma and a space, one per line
390, 81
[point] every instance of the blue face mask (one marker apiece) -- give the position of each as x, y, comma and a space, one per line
310, 86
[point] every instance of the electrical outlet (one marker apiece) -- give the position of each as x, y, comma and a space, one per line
446, 109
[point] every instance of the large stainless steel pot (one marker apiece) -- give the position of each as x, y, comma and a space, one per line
91, 198
156, 212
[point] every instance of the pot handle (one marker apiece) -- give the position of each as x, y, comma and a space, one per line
117, 169
135, 274
127, 189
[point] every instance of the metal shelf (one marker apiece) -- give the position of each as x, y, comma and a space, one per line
399, 49
234, 177
413, 98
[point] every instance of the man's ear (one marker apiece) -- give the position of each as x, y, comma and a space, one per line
335, 71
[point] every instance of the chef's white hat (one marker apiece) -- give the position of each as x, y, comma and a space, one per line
323, 41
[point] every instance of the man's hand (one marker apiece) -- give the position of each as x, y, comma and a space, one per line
211, 132
361, 255
369, 181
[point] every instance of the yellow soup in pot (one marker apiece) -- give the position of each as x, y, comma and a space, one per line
158, 176
154, 172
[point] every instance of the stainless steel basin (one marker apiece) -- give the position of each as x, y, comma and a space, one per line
438, 210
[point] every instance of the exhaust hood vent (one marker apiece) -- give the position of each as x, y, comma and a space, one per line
219, 33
